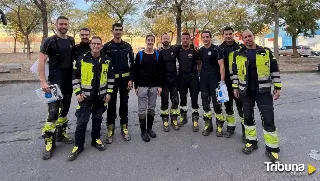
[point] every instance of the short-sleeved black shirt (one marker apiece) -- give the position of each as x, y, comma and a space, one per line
60, 58
210, 57
187, 60
168, 58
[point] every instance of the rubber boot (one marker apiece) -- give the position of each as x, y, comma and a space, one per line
174, 123
208, 127
165, 121
230, 131
183, 118
150, 120
125, 132
145, 137
195, 122
49, 148
110, 133
62, 135
76, 150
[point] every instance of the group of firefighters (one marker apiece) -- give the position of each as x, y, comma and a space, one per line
249, 72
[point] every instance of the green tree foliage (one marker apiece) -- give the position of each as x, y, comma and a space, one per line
24, 15
301, 18
118, 9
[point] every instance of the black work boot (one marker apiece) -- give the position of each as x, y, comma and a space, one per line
125, 132
230, 131
150, 120
110, 133
273, 156
97, 143
145, 137
165, 121
49, 148
183, 118
61, 134
195, 122
249, 148
208, 127
76, 150
174, 123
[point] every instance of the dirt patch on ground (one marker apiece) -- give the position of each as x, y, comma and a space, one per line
17, 58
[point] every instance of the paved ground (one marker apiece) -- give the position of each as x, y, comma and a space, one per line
177, 155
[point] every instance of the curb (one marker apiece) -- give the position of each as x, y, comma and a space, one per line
17, 81
294, 72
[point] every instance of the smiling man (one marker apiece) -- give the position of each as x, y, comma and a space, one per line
58, 49
84, 46
121, 55
147, 80
255, 69
93, 80
229, 45
212, 71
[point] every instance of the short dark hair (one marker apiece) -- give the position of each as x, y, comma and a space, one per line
85, 29
96, 37
186, 33
163, 35
228, 28
150, 35
62, 17
117, 25
206, 31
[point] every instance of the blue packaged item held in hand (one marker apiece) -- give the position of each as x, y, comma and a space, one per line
52, 96
222, 93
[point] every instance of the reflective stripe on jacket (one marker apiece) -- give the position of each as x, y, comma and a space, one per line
267, 69
85, 74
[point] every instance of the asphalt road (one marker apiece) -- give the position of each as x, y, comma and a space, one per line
174, 156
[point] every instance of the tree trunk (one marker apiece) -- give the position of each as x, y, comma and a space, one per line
45, 30
15, 45
178, 22
26, 37
24, 46
294, 46
276, 31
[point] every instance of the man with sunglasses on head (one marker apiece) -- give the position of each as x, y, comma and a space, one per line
122, 58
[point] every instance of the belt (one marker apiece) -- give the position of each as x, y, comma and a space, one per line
122, 75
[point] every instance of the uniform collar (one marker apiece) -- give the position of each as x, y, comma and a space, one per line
244, 48
89, 55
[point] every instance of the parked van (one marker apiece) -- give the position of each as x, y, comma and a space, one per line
303, 50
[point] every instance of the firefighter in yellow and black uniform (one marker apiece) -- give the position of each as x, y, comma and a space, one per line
254, 69
93, 80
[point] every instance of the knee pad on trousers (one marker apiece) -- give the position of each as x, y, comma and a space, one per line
53, 113
205, 95
142, 116
175, 102
269, 128
164, 107
151, 112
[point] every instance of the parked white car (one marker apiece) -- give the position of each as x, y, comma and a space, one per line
303, 50
25, 50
